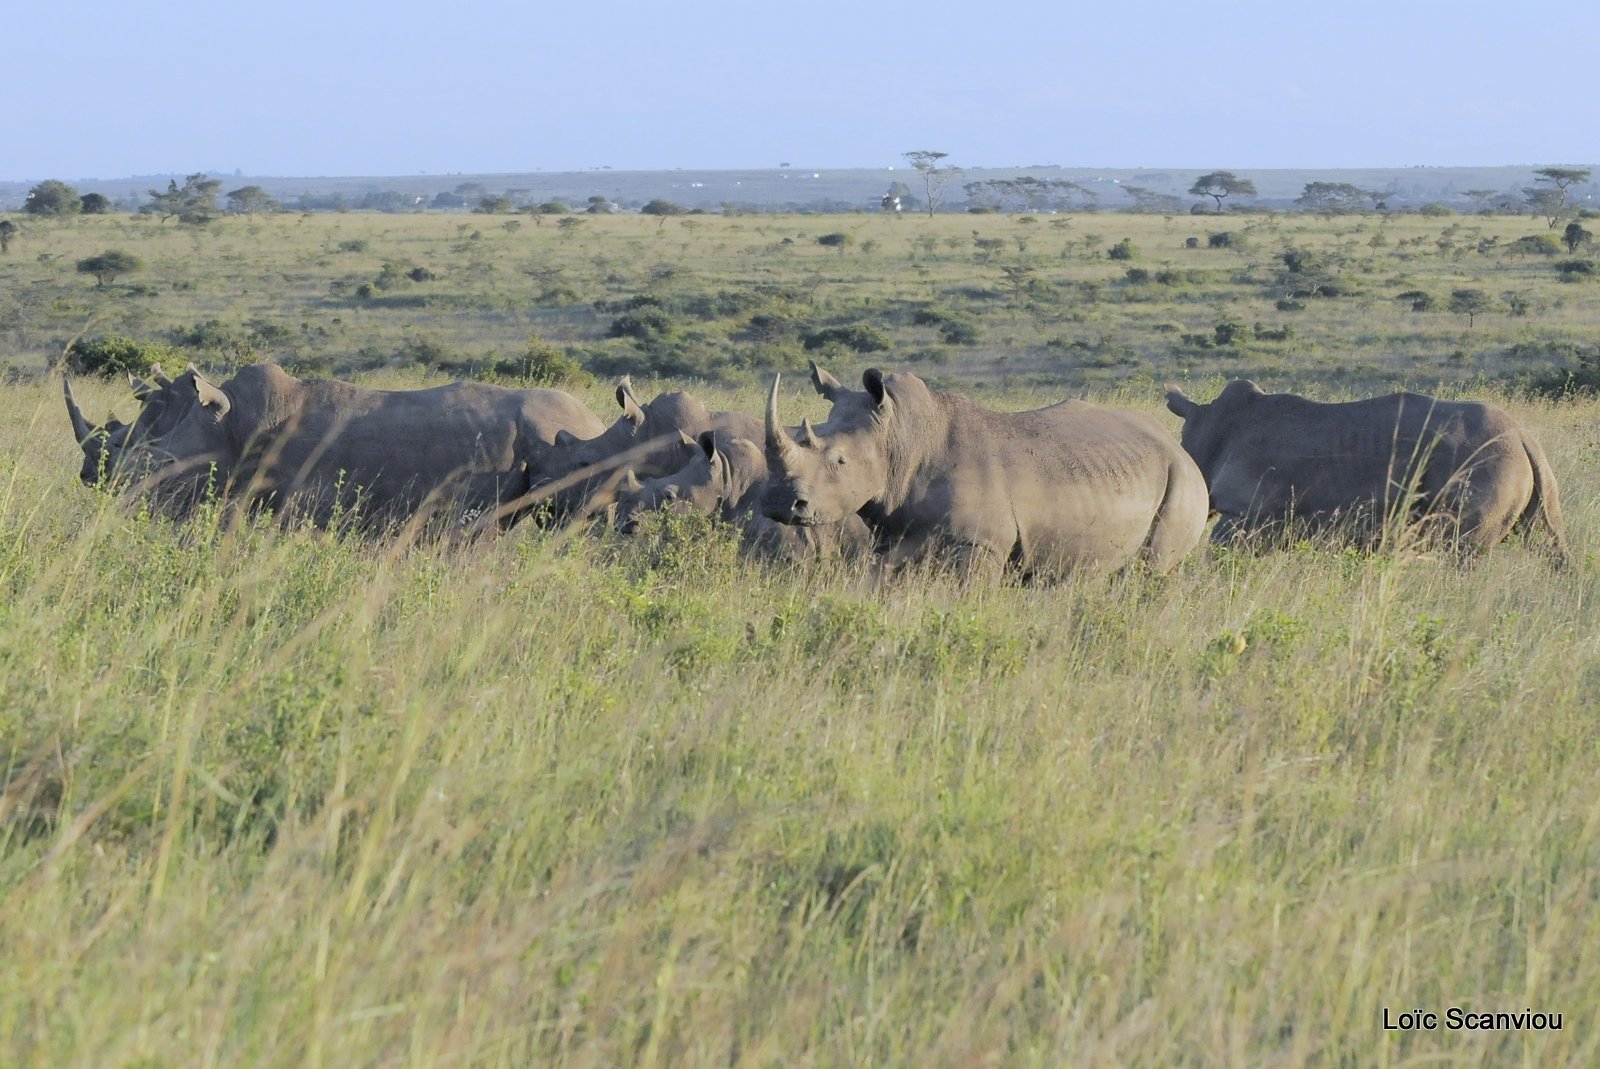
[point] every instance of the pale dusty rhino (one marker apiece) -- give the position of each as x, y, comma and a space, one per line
324, 448
1053, 490
1461, 472
727, 477
582, 472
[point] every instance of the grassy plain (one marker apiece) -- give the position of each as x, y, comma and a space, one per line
285, 798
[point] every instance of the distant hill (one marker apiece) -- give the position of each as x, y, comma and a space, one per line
842, 189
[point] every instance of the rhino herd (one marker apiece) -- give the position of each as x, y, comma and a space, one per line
898, 472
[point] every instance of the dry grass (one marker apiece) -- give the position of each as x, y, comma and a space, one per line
291, 799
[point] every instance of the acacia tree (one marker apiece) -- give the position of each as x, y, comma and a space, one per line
1548, 195
1470, 303
109, 265
194, 202
934, 178
1219, 184
247, 200
1333, 197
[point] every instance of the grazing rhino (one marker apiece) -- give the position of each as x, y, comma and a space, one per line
728, 477
325, 448
1058, 489
648, 438
1461, 471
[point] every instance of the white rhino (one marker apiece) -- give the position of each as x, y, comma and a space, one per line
583, 472
728, 478
1066, 488
1462, 472
325, 448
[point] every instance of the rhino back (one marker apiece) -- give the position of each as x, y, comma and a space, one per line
1319, 457
1058, 488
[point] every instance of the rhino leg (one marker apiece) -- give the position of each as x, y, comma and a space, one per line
1179, 521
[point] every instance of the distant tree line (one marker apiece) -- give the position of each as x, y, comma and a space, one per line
1554, 196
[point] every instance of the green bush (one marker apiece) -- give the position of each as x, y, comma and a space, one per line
1123, 250
644, 325
859, 337
114, 355
543, 363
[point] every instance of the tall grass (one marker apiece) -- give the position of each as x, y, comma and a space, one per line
289, 798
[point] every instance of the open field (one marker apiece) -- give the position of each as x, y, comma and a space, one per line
1035, 301
285, 798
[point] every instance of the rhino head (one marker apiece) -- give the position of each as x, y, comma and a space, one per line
826, 475
181, 433
645, 437
718, 475
1207, 428
101, 445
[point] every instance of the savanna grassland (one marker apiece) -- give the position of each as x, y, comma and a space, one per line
287, 798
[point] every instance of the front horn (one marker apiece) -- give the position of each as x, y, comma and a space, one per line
80, 426
779, 443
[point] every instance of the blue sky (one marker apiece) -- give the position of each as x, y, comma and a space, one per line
103, 90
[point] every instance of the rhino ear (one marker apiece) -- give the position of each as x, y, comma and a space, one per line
1180, 404
708, 444
824, 383
872, 379
159, 376
210, 396
632, 410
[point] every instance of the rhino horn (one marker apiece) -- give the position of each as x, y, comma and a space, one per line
630, 482
80, 426
779, 444
809, 435
159, 376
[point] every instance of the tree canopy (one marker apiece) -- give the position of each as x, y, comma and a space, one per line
194, 202
1220, 184
247, 200
934, 178
108, 266
51, 197
1333, 197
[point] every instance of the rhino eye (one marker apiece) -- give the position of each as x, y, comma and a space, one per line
839, 459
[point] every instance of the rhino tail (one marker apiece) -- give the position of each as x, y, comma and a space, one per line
1544, 507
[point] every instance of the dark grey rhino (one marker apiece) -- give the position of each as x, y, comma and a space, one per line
1049, 491
1462, 472
324, 448
728, 478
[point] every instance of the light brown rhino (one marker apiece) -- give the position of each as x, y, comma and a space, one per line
581, 472
325, 448
1462, 472
728, 478
1053, 490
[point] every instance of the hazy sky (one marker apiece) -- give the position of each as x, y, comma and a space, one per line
355, 87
